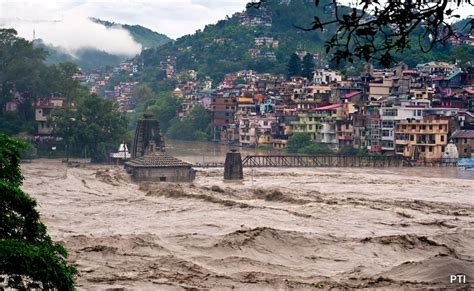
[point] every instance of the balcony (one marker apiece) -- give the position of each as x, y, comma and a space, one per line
345, 138
402, 141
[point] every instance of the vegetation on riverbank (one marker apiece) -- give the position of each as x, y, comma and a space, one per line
28, 257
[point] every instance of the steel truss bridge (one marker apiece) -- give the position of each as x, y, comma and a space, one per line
293, 161
322, 161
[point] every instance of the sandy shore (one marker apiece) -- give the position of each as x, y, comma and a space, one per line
282, 229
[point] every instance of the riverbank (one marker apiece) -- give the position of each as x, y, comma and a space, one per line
278, 229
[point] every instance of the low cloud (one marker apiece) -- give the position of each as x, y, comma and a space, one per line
174, 18
61, 25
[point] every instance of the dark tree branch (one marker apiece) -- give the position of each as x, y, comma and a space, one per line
374, 30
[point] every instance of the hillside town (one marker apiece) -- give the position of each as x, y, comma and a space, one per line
414, 112
411, 112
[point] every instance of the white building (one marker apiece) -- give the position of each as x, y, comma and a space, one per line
325, 77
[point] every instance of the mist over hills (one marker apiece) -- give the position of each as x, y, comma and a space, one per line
144, 36
92, 58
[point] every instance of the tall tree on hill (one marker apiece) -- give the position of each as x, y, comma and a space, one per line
375, 30
94, 125
308, 66
294, 66
29, 259
20, 66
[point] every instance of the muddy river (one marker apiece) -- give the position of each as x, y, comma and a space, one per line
278, 229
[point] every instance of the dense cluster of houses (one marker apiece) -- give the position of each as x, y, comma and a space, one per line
121, 92
414, 113
97, 83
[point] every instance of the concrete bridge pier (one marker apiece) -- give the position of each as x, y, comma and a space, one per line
233, 169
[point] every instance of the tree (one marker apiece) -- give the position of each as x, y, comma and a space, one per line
94, 125
28, 257
316, 149
298, 141
165, 109
195, 126
143, 93
308, 66
20, 67
294, 66
375, 30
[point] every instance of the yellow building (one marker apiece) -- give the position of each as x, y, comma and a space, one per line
422, 139
306, 123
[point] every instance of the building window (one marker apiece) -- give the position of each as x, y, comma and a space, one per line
412, 137
430, 149
442, 138
162, 179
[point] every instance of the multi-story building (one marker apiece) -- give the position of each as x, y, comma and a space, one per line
393, 86
373, 129
325, 77
464, 140
422, 139
223, 109
345, 132
42, 110
255, 130
306, 123
391, 116
327, 117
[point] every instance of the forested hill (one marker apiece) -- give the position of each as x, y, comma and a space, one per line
228, 45
144, 36
233, 44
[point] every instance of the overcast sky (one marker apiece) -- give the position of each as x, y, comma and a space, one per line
65, 22
174, 18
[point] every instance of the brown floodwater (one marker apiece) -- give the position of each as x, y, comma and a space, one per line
207, 152
278, 229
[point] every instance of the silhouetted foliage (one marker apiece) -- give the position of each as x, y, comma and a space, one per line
294, 66
308, 66
28, 257
376, 30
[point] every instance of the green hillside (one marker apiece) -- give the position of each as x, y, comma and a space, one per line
224, 47
227, 46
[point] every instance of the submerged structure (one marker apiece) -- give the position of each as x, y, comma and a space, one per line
121, 156
233, 169
149, 162
147, 131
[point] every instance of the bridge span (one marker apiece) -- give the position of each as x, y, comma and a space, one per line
316, 161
